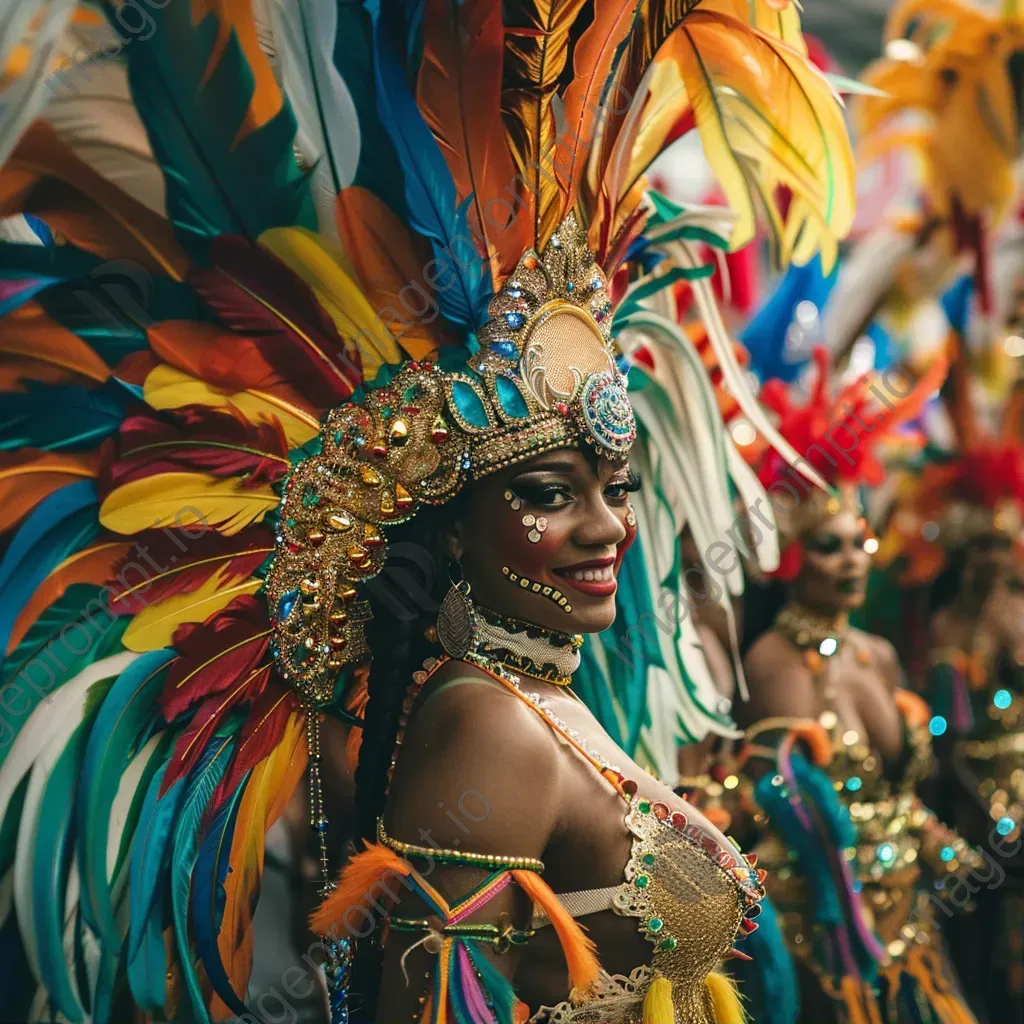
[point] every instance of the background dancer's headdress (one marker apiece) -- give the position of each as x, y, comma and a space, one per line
837, 435
295, 219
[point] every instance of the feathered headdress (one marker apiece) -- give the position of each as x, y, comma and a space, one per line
312, 194
837, 435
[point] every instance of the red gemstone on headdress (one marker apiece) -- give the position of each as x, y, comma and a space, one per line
562, 408
629, 787
751, 859
748, 926
679, 819
293, 548
378, 450
414, 365
661, 811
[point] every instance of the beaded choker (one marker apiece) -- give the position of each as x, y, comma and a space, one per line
528, 649
807, 629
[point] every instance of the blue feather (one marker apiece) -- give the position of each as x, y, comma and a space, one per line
208, 896
429, 190
62, 418
217, 182
39, 228
124, 719
202, 782
769, 981
150, 860
61, 524
51, 863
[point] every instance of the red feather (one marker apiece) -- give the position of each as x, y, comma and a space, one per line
190, 744
181, 571
198, 437
216, 654
262, 731
255, 294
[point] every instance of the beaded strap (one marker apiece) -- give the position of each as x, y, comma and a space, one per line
468, 859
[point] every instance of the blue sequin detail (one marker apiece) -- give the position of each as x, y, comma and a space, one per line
1002, 699
854, 783
1004, 826
886, 854
467, 401
515, 320
937, 726
286, 604
947, 853
505, 349
511, 398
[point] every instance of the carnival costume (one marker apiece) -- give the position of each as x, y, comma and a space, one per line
256, 426
852, 849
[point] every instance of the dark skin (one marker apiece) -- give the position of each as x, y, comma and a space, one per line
538, 796
832, 580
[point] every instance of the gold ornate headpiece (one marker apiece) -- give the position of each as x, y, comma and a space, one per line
544, 377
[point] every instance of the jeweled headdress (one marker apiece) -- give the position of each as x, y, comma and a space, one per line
329, 262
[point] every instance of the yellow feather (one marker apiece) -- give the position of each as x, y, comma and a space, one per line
186, 500
658, 1003
154, 626
168, 388
269, 788
728, 1008
309, 256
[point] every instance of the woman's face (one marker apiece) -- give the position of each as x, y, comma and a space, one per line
833, 575
543, 541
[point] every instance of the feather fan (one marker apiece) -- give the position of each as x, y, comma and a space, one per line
28, 476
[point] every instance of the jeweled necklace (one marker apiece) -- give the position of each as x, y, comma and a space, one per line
527, 649
812, 630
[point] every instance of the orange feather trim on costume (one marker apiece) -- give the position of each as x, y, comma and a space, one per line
579, 950
914, 710
815, 738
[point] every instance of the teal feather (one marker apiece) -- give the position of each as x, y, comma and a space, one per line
202, 782
63, 523
52, 262
10, 823
45, 660
60, 418
193, 117
768, 981
500, 992
149, 862
51, 864
208, 896
124, 719
430, 195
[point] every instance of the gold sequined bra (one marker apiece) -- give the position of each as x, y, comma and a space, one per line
691, 898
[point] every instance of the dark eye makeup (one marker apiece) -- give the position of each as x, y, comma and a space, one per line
552, 490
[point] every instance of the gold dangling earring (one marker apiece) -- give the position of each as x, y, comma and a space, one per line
456, 620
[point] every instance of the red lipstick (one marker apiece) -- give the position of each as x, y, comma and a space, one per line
595, 577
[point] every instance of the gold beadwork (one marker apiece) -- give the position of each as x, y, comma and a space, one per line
525, 583
485, 860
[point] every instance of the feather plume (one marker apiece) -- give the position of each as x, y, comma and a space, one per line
344, 302
157, 625
432, 204
61, 418
40, 154
227, 168
168, 388
197, 437
43, 22
30, 333
361, 873
387, 259
304, 37
459, 94
94, 564
537, 37
255, 294
186, 500
267, 792
182, 566
28, 476
225, 648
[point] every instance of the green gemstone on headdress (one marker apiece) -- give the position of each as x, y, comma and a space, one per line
468, 403
667, 944
642, 881
644, 807
655, 924
647, 859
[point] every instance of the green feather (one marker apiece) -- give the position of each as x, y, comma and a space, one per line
194, 115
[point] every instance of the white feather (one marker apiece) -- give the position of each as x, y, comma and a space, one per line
304, 32
37, 748
40, 24
16, 229
93, 113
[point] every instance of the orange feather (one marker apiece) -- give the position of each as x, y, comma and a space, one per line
816, 739
42, 155
387, 262
579, 950
267, 792
237, 16
30, 333
28, 476
92, 565
592, 62
362, 873
459, 95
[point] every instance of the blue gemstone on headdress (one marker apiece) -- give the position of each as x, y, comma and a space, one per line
569, 286
512, 401
515, 320
505, 349
468, 404
514, 293
286, 604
